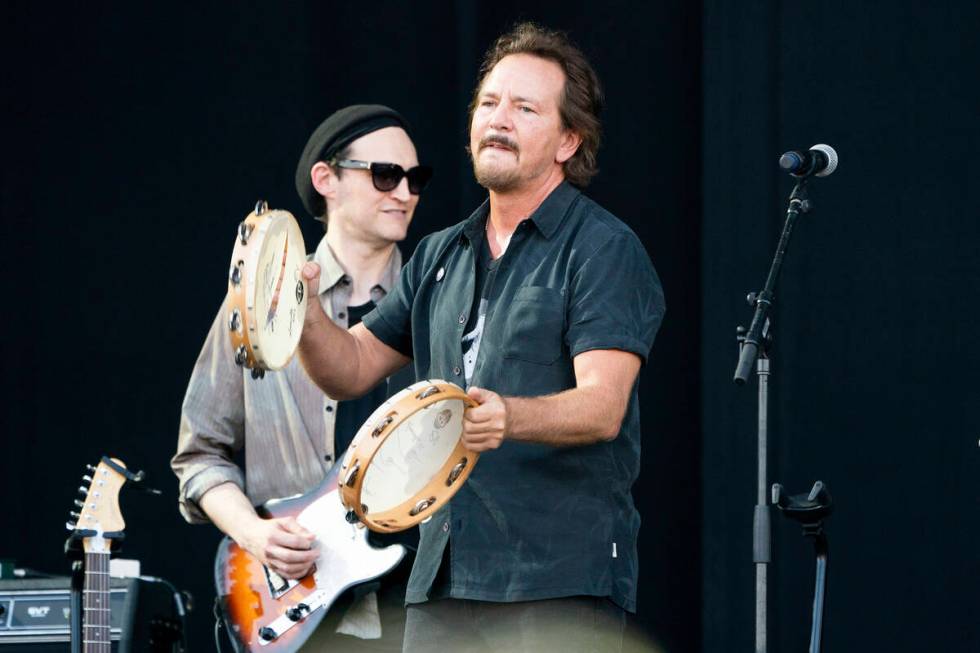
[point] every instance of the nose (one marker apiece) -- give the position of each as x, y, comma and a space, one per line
500, 118
400, 192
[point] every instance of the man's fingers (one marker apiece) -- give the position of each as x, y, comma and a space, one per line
311, 273
487, 426
477, 394
280, 554
476, 438
484, 425
479, 414
291, 570
311, 270
289, 540
291, 525
479, 446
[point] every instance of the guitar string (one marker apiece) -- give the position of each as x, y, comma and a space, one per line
96, 633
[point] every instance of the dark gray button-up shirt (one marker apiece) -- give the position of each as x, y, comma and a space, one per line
532, 521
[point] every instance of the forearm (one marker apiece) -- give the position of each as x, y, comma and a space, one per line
282, 544
579, 416
330, 356
230, 510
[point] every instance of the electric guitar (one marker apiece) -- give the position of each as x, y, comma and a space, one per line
266, 612
98, 524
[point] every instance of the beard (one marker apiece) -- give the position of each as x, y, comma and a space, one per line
492, 175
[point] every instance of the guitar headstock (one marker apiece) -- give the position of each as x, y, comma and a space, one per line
100, 519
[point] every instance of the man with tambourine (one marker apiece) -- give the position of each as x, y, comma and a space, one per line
544, 306
291, 433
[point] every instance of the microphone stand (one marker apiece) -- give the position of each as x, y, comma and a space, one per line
754, 346
810, 510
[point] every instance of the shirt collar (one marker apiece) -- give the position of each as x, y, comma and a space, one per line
547, 217
332, 272
475, 226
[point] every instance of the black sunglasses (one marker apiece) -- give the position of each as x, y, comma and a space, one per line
387, 176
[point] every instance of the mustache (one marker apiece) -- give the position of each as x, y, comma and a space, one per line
500, 139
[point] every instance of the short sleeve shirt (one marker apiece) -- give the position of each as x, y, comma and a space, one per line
532, 521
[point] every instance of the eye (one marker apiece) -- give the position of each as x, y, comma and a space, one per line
525, 109
487, 103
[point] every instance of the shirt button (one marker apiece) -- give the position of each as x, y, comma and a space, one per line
342, 315
456, 370
462, 319
445, 527
328, 457
329, 409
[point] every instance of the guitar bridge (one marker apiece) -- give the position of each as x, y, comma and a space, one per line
292, 616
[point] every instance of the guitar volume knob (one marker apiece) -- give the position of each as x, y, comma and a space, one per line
295, 613
267, 634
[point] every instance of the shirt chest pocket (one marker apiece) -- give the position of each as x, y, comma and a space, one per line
533, 326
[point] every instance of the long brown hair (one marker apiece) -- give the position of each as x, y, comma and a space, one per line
581, 98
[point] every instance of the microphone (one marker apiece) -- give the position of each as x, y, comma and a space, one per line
819, 160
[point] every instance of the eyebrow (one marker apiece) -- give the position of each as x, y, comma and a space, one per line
515, 98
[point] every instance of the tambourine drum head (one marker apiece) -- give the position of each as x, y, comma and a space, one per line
279, 268
412, 455
408, 460
266, 291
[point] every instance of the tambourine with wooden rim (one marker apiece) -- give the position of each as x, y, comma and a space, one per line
408, 459
266, 290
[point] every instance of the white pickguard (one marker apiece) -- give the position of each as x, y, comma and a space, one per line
346, 558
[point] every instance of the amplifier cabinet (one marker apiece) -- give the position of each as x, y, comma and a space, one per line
35, 614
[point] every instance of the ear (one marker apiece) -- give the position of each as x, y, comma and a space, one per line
567, 146
324, 180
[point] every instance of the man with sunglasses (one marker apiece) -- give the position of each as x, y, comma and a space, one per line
359, 175
544, 306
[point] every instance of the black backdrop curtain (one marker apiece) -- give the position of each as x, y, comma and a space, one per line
138, 136
874, 385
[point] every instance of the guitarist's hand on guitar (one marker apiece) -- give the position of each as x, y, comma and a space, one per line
282, 545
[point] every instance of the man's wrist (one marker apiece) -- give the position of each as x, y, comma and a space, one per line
314, 314
243, 530
510, 407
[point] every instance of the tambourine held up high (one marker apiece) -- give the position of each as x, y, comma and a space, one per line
266, 290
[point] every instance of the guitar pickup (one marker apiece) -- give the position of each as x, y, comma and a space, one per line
276, 628
279, 585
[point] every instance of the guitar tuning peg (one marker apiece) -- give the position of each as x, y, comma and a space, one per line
90, 468
82, 489
75, 514
79, 503
87, 478
70, 526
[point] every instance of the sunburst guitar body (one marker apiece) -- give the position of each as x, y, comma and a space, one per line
265, 612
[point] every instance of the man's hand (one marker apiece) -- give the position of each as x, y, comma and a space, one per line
311, 272
282, 545
485, 426
314, 311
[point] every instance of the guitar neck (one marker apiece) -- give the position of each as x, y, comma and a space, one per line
95, 604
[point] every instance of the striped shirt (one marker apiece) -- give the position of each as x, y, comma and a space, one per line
284, 422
